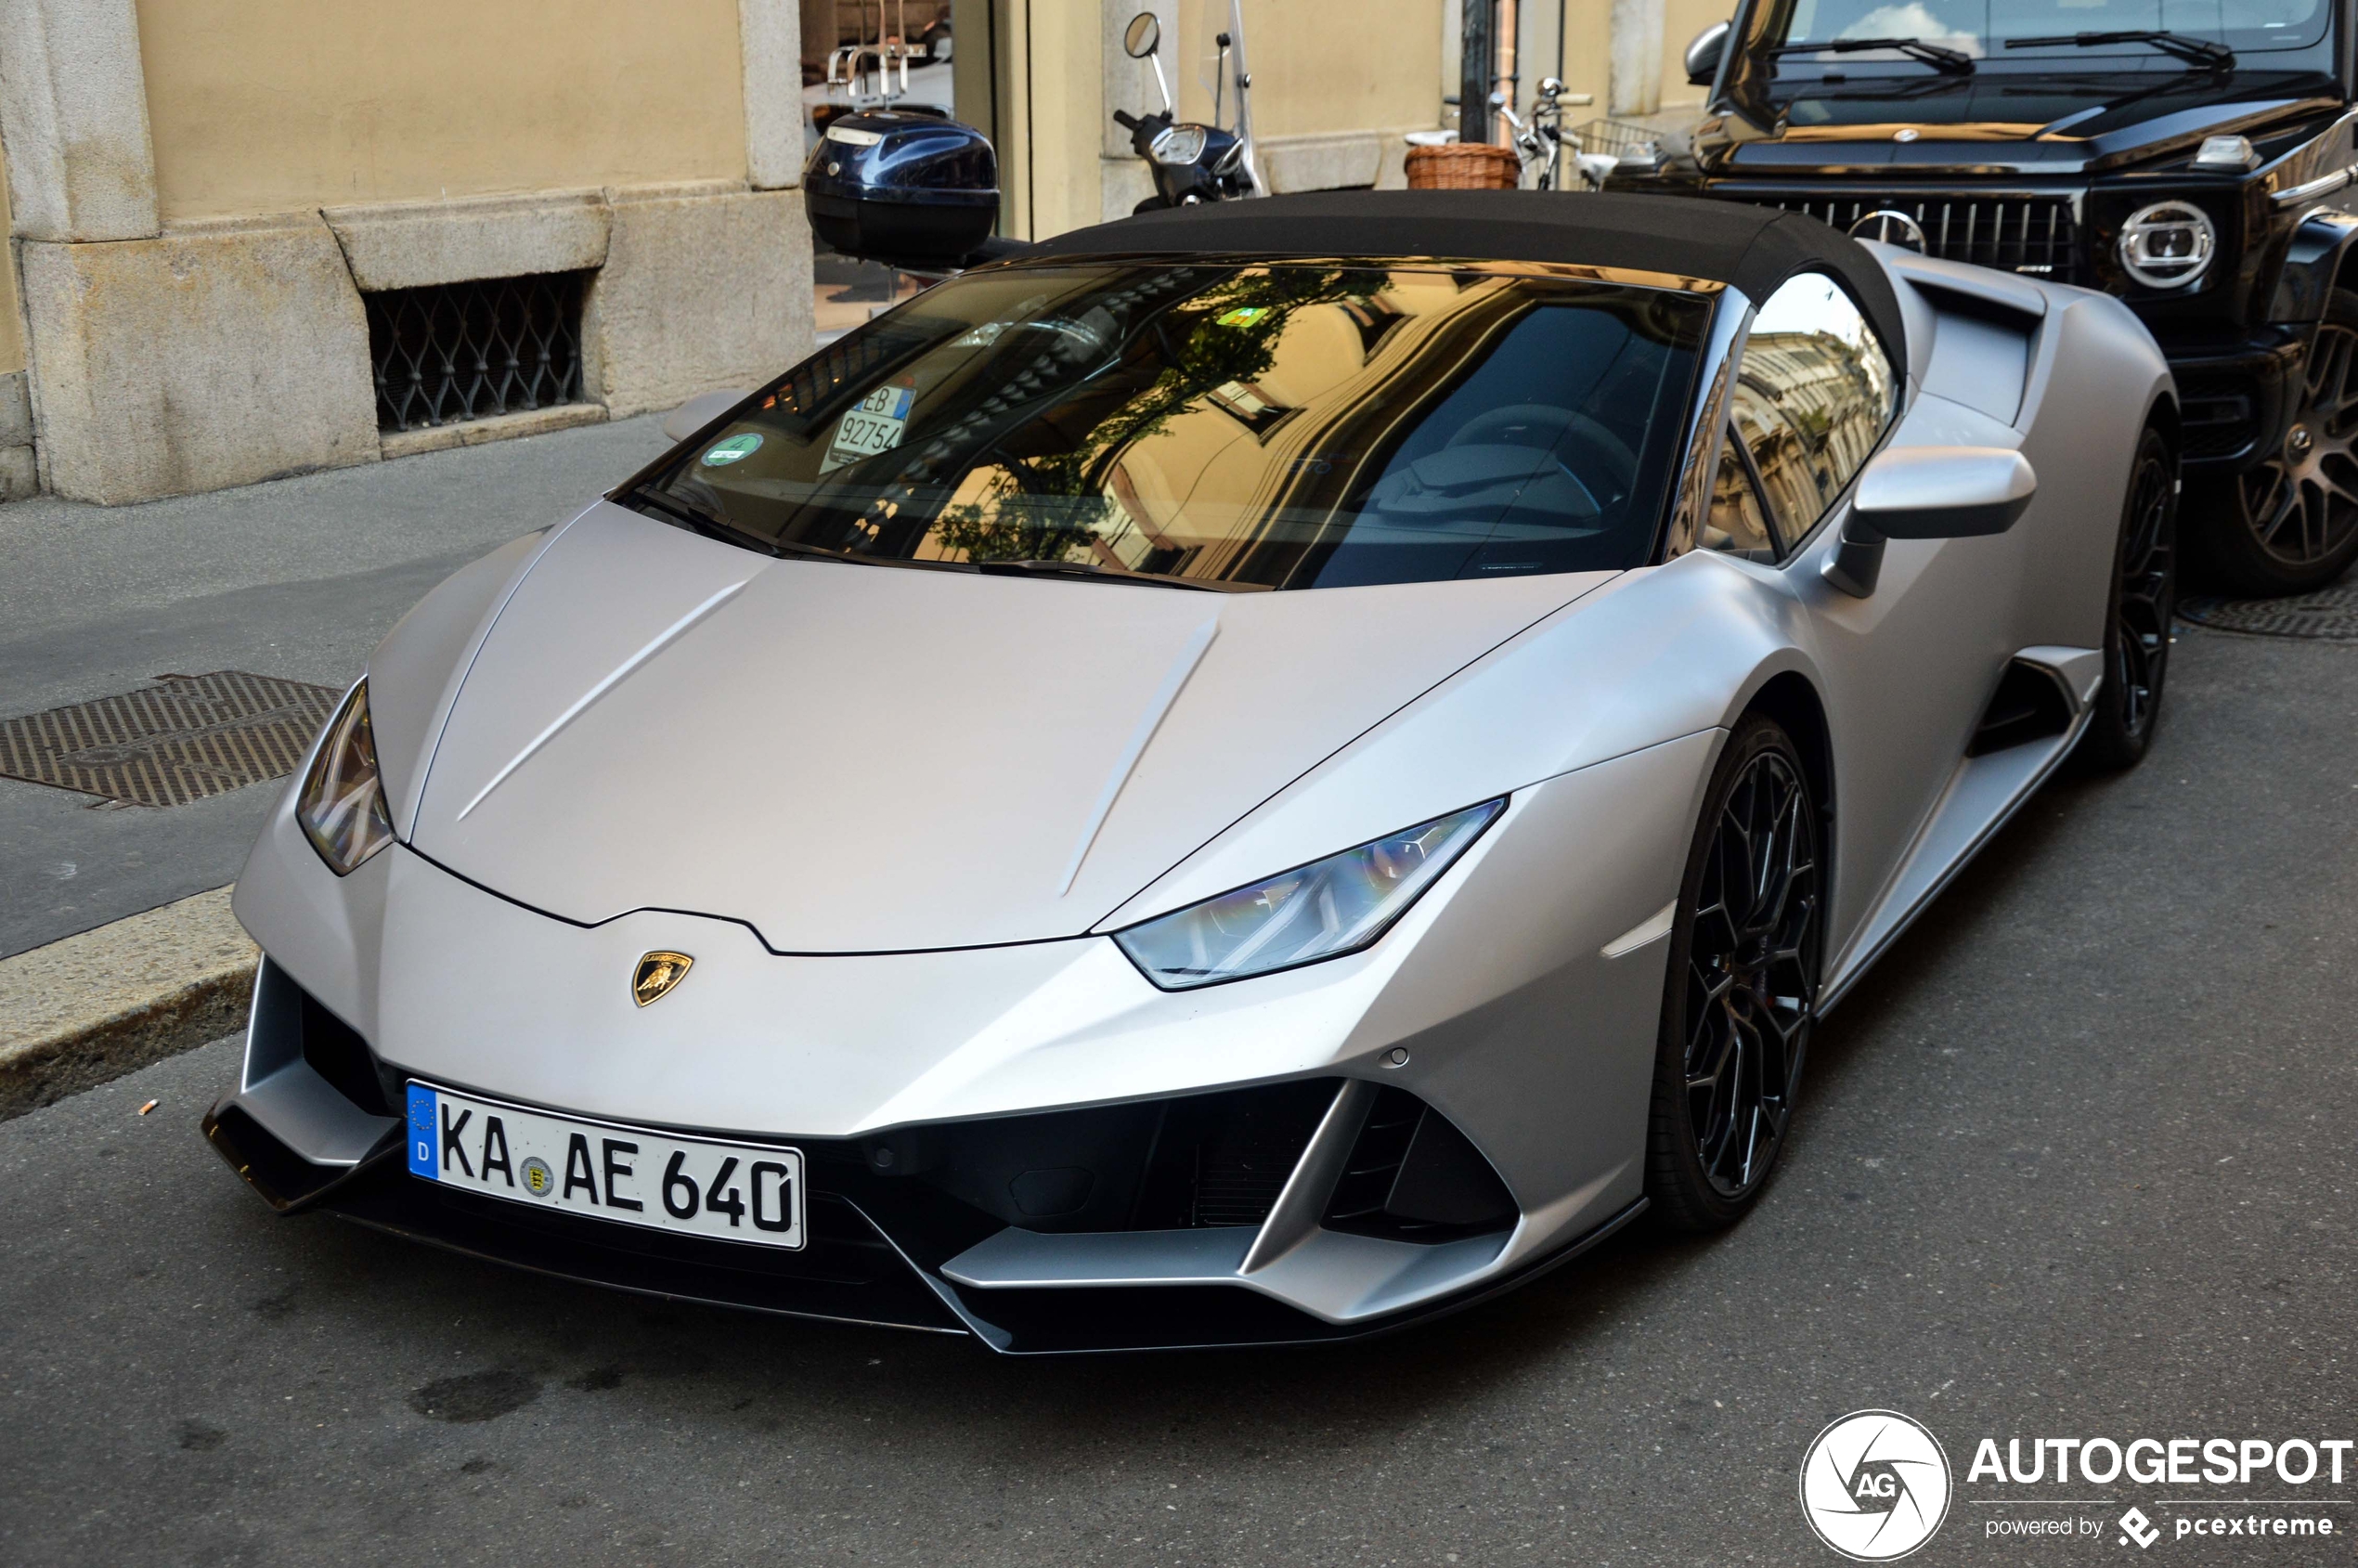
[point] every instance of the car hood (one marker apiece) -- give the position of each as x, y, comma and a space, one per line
863, 758
1994, 123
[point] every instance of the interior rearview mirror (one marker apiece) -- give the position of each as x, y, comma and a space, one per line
697, 412
1927, 493
1143, 37
1703, 54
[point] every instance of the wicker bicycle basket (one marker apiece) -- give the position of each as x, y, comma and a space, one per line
1463, 166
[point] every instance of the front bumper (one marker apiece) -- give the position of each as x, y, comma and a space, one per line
2236, 401
1234, 1209
1319, 1153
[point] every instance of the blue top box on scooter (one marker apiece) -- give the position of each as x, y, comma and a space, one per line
903, 187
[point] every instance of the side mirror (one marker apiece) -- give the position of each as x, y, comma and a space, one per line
1703, 53
1143, 37
1944, 492
1927, 493
697, 412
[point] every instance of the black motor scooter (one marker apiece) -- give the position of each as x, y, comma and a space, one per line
1191, 162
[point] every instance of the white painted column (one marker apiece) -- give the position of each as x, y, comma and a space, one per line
1636, 56
771, 34
73, 115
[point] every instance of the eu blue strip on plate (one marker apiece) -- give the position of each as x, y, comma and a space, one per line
421, 1132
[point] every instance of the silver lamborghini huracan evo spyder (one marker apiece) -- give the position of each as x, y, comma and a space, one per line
1246, 776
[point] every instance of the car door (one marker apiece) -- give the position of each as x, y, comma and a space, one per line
1905, 671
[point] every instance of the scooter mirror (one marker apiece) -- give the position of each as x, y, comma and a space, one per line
1143, 37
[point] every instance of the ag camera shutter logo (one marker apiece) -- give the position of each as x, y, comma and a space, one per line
1875, 1485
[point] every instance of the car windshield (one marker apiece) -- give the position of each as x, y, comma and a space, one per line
1981, 29
1228, 425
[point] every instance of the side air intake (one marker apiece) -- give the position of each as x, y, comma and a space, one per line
1412, 1176
2030, 705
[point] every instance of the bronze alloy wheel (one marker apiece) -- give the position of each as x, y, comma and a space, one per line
1745, 962
2290, 524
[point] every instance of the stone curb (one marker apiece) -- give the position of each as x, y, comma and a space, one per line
107, 1002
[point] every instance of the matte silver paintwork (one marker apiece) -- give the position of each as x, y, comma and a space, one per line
893, 814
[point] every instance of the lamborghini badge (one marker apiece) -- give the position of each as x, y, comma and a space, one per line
656, 974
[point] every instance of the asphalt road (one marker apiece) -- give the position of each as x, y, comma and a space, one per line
299, 579
2076, 1161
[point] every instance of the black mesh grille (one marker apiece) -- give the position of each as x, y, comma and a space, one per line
2215, 413
467, 351
2035, 235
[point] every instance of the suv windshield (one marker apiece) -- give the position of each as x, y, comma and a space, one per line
1980, 29
1246, 426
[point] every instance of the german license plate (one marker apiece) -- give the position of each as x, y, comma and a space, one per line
696, 1187
874, 425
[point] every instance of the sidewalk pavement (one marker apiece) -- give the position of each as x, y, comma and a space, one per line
298, 577
117, 946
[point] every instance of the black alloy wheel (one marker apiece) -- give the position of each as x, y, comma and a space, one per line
1746, 958
2144, 594
2290, 524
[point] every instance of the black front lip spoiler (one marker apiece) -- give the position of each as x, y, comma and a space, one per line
857, 1271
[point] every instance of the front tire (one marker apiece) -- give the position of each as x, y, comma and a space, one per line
2143, 596
2290, 524
1746, 956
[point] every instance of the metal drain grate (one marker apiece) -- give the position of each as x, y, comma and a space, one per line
2328, 615
182, 738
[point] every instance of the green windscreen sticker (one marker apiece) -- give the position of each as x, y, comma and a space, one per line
736, 448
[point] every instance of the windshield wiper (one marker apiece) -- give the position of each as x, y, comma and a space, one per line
1082, 569
715, 528
1948, 62
2197, 52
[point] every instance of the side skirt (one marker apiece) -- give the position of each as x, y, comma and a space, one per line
1983, 795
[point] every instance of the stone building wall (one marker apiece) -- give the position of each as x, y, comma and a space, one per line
201, 194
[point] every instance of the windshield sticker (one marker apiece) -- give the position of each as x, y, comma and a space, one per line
736, 448
876, 425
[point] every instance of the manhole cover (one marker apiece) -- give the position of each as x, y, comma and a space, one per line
2329, 615
181, 739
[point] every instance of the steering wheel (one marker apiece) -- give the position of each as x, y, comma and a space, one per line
1545, 425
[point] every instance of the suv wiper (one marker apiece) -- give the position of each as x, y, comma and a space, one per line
1082, 569
1948, 62
714, 527
2202, 52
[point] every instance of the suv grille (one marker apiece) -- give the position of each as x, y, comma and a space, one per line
2035, 235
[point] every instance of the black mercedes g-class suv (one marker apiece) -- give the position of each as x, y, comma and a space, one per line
2193, 157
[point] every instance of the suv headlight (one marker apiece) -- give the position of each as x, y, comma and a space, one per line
2168, 245
1319, 911
342, 807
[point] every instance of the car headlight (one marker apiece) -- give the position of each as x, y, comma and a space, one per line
1177, 145
342, 807
2168, 245
1319, 911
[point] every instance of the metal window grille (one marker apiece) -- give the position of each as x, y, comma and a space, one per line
2035, 235
467, 351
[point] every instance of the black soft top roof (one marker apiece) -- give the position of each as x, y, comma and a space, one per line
1753, 248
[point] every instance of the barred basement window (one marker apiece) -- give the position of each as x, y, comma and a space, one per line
467, 351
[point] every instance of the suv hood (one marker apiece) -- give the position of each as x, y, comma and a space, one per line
1994, 123
868, 759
